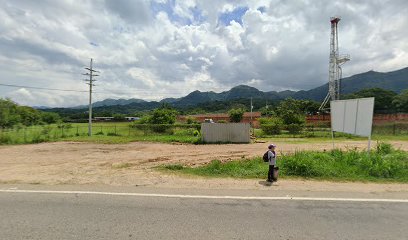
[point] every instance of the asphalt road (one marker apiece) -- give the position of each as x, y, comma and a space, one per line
77, 216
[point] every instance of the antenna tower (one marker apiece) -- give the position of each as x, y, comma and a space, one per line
335, 63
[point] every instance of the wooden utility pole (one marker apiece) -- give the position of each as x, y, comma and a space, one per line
90, 81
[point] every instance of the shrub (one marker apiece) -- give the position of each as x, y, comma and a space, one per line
333, 165
294, 128
384, 148
190, 120
236, 115
271, 126
160, 128
37, 138
5, 139
163, 116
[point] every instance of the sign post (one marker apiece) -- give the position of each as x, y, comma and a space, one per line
353, 116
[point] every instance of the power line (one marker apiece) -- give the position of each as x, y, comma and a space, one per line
138, 91
42, 88
146, 91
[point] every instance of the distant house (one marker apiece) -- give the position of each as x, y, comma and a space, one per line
246, 118
103, 118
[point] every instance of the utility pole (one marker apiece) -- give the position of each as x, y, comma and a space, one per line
90, 81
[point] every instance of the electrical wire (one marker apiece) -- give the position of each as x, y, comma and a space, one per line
42, 88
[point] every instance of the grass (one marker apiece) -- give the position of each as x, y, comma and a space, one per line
117, 133
111, 133
382, 165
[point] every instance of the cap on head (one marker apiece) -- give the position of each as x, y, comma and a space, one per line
271, 146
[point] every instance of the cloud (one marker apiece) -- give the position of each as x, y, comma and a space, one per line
132, 11
168, 48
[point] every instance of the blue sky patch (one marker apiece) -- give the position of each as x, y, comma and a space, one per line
235, 15
168, 7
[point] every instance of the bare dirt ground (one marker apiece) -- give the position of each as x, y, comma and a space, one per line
133, 165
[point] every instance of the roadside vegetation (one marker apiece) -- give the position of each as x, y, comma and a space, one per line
13, 115
284, 121
382, 164
102, 133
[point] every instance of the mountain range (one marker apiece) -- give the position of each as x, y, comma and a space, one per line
395, 81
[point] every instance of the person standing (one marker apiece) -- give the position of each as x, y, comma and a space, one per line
271, 161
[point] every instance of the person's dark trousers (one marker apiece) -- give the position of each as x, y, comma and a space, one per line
270, 172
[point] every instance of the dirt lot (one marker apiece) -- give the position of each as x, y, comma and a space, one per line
132, 164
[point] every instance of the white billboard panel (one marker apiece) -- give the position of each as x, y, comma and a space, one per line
354, 116
351, 108
337, 115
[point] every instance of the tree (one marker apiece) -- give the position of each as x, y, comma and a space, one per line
236, 114
29, 116
8, 116
383, 98
163, 116
400, 101
50, 117
308, 106
118, 117
290, 111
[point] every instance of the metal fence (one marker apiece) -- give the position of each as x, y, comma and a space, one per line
37, 134
225, 132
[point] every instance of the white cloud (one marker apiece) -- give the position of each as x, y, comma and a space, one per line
149, 54
145, 76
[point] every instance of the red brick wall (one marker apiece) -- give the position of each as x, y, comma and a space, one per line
377, 119
224, 117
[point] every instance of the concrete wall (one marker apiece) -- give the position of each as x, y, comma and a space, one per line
225, 132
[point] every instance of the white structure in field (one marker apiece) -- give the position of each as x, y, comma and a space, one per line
353, 116
225, 132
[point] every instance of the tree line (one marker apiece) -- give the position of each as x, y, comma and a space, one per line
12, 114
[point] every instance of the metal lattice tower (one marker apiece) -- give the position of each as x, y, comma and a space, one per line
335, 62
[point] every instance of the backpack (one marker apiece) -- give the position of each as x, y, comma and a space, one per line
265, 156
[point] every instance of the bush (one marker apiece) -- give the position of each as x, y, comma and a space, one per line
236, 115
38, 138
333, 165
271, 126
163, 116
190, 120
196, 133
294, 128
161, 128
384, 148
5, 139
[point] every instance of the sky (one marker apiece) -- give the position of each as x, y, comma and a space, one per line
154, 49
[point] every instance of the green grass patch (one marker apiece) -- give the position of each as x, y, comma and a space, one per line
110, 133
383, 164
